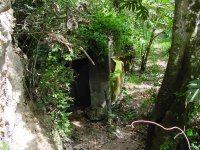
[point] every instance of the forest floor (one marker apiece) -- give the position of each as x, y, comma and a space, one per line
136, 102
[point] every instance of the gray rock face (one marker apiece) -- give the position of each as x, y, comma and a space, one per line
19, 128
5, 5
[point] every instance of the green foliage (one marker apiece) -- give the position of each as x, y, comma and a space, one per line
135, 6
147, 105
167, 145
193, 104
160, 17
122, 113
151, 100
155, 69
194, 91
132, 78
192, 134
54, 88
3, 146
162, 45
41, 17
48, 75
149, 76
103, 24
195, 146
49, 72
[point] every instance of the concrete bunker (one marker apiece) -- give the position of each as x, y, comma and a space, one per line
93, 86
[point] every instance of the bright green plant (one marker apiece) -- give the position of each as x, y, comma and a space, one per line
155, 69
136, 6
3, 146
132, 78
146, 31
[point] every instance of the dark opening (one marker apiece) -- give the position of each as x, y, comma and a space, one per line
80, 87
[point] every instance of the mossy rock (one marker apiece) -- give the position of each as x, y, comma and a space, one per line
116, 79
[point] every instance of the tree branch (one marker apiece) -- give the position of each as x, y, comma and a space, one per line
87, 55
59, 38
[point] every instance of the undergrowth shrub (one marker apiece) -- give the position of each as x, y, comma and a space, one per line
105, 24
54, 88
133, 78
193, 105
48, 75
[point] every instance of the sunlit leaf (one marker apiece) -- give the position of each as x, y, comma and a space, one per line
194, 91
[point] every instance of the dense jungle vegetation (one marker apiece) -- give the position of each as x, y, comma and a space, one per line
140, 33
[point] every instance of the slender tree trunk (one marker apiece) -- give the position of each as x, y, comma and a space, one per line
145, 56
183, 66
146, 52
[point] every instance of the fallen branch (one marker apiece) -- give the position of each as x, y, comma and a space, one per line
86, 54
164, 128
59, 38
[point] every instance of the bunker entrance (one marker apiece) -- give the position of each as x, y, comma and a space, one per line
80, 87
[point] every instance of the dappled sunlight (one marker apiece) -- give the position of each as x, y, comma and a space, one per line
95, 137
121, 134
77, 124
135, 89
143, 86
161, 64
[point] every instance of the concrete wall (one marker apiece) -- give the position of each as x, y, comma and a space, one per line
99, 84
99, 90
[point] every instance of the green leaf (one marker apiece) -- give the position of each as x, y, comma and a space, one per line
194, 91
189, 132
194, 95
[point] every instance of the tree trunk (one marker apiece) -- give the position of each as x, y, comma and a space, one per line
183, 65
147, 50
